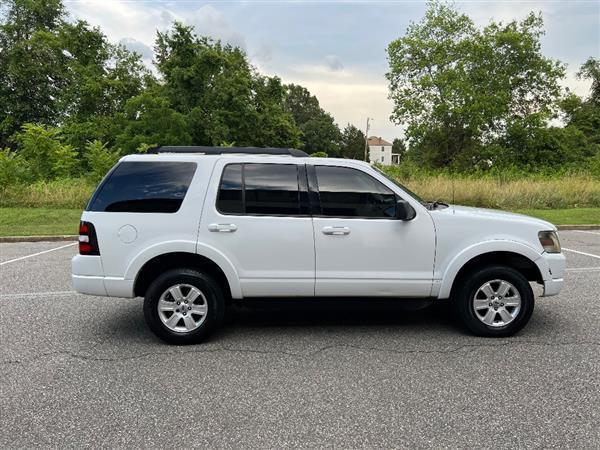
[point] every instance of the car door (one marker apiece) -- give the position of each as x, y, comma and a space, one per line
361, 250
257, 215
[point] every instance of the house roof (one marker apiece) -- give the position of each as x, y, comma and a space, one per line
374, 140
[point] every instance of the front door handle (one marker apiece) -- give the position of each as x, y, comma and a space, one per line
336, 230
222, 227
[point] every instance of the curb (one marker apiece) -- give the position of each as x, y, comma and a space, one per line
38, 238
74, 237
577, 227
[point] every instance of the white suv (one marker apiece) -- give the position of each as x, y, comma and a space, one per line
191, 228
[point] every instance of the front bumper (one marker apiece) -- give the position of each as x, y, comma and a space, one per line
552, 267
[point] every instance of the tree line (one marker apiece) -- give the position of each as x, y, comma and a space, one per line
473, 98
71, 102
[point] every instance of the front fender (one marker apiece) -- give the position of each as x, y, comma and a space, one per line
481, 248
186, 247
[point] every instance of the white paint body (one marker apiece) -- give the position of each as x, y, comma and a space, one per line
292, 256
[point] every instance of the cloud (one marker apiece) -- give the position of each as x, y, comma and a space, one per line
334, 63
350, 95
209, 21
263, 53
133, 45
120, 20
167, 17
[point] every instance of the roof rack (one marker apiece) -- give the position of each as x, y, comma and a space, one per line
206, 150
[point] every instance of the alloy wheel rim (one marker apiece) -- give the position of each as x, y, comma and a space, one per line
182, 308
497, 303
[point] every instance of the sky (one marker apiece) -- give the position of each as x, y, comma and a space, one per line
336, 49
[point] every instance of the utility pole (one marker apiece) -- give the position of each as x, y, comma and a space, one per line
367, 140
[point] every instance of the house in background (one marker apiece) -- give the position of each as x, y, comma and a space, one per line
380, 151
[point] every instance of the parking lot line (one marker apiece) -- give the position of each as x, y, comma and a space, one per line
583, 269
581, 253
36, 254
587, 232
28, 294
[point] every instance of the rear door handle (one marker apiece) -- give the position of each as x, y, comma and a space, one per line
336, 230
222, 227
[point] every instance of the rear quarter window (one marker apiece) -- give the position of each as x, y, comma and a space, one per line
144, 187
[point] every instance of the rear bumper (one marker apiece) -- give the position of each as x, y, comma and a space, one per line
89, 285
87, 278
103, 286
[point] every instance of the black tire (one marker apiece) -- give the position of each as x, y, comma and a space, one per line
215, 306
469, 288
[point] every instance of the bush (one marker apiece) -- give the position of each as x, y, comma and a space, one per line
13, 169
46, 156
99, 160
319, 155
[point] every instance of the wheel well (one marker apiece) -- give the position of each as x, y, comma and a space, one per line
162, 263
516, 261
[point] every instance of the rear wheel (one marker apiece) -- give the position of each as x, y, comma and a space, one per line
183, 306
495, 301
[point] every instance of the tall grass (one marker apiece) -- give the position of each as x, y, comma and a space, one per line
503, 189
506, 190
67, 193
518, 194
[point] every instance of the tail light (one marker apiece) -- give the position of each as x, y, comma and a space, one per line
88, 242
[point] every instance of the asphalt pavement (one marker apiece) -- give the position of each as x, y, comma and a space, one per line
79, 371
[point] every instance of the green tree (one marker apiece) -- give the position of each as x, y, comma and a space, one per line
532, 147
57, 72
99, 159
33, 69
352, 143
151, 120
221, 96
584, 114
319, 131
457, 87
46, 155
399, 147
591, 70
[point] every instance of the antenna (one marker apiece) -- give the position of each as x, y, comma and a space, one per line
453, 181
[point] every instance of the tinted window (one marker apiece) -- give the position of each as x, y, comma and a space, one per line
270, 189
346, 192
145, 187
230, 198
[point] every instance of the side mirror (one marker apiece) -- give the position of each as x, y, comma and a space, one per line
404, 211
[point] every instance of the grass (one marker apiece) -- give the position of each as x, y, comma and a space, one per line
67, 193
39, 221
576, 216
519, 194
61, 221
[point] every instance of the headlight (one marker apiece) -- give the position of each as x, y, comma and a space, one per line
549, 240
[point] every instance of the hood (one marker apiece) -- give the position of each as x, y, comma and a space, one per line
497, 216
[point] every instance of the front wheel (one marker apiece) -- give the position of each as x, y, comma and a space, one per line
495, 301
183, 306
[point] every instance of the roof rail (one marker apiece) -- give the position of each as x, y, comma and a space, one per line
207, 150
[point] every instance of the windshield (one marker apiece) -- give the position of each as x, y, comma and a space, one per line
404, 188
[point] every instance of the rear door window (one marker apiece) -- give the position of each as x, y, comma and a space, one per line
144, 187
261, 189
